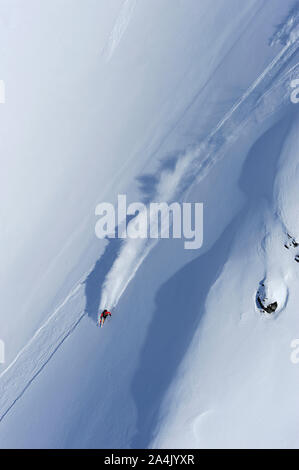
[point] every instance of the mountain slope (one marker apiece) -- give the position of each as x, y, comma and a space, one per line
183, 349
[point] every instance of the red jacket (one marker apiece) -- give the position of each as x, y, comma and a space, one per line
105, 314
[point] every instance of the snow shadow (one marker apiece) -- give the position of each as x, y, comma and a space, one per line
180, 305
259, 169
180, 302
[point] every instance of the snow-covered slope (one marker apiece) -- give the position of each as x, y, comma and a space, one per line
236, 386
193, 104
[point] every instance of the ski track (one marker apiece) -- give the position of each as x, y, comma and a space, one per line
260, 100
31, 359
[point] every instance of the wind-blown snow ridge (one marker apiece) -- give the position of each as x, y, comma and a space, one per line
268, 93
289, 30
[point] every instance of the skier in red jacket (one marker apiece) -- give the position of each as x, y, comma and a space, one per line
103, 317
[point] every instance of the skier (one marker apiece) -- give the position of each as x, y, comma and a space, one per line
103, 317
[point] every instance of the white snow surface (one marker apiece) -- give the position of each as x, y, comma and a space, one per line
162, 101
